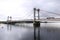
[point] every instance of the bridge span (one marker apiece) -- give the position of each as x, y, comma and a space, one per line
30, 21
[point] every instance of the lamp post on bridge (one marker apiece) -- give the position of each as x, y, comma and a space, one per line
36, 24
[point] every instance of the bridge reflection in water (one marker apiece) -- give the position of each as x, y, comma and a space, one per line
48, 31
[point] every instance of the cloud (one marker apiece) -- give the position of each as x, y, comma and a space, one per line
16, 8
50, 6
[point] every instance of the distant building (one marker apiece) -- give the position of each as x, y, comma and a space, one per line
50, 18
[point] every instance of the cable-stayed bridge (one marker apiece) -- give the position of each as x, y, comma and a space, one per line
35, 18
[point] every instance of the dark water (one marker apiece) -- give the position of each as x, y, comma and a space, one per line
48, 31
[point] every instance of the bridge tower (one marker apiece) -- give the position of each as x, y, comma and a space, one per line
9, 18
36, 23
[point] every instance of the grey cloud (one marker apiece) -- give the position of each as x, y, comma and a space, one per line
49, 5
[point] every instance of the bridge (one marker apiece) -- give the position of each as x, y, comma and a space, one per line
35, 18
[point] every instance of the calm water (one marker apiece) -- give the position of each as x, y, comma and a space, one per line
25, 32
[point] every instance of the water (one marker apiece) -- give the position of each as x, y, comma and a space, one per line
48, 31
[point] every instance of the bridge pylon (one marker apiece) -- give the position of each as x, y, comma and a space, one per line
36, 24
9, 18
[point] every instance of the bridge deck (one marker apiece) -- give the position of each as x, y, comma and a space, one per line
30, 21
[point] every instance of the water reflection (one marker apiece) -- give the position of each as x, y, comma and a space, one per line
48, 31
9, 27
16, 33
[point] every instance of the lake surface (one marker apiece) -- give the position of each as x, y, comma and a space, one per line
48, 31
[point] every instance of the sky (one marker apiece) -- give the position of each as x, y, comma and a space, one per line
50, 6
23, 9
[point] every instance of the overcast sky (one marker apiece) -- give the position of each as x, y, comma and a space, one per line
21, 9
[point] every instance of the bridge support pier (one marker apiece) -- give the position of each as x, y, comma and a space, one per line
36, 26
